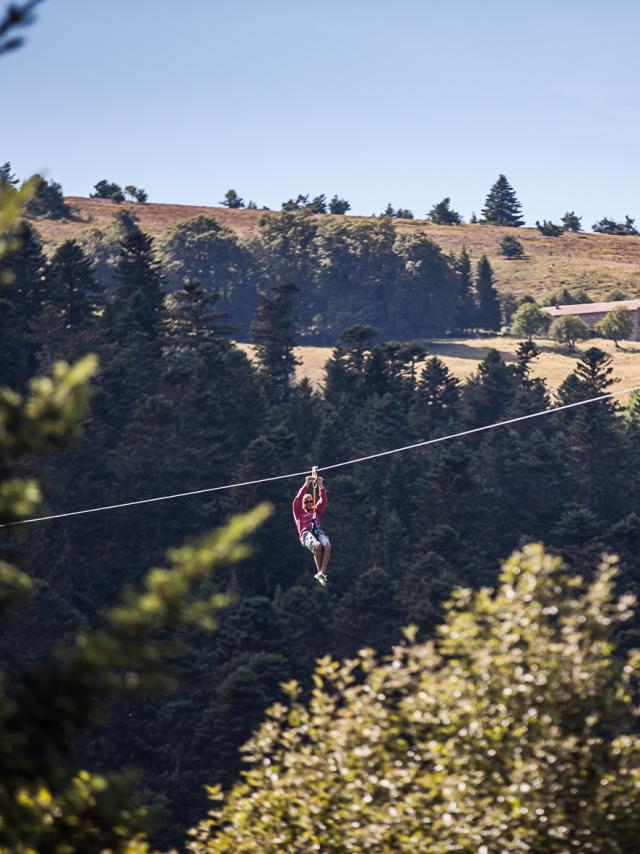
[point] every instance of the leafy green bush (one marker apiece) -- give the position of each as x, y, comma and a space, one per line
511, 247
514, 731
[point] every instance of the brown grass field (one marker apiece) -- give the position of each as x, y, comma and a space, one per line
463, 355
597, 262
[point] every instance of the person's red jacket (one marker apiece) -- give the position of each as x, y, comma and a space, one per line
305, 518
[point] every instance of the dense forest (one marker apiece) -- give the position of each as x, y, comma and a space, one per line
177, 406
347, 271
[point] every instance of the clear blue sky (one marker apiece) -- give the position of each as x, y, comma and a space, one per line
376, 101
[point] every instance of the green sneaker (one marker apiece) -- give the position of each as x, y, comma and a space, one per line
321, 578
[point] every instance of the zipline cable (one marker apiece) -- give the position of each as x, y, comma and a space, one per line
412, 447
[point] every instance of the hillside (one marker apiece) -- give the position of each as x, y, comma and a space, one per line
597, 262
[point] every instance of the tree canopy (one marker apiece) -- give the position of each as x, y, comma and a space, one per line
501, 206
617, 325
514, 728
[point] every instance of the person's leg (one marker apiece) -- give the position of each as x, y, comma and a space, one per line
326, 553
317, 556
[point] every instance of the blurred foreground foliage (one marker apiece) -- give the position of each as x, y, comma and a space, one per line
514, 731
48, 803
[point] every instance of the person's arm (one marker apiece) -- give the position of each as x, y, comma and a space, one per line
297, 501
323, 503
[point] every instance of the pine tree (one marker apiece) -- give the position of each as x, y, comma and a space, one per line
338, 206
465, 316
571, 222
443, 214
23, 298
437, 398
610, 226
594, 439
193, 322
133, 321
317, 205
489, 315
489, 393
73, 286
136, 302
7, 178
273, 334
232, 200
501, 206
549, 228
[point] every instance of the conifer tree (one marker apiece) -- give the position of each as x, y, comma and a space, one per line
595, 439
511, 247
73, 287
23, 297
443, 214
317, 205
466, 315
489, 393
437, 398
47, 200
133, 320
549, 228
273, 333
338, 206
193, 322
610, 226
232, 200
501, 206
136, 302
7, 178
488, 312
353, 343
571, 222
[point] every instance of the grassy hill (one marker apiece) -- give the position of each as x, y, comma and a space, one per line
463, 355
597, 262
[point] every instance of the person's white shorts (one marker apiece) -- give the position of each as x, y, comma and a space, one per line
310, 542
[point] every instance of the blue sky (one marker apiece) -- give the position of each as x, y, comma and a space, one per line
376, 101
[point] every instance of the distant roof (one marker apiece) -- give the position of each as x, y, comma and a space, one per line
590, 307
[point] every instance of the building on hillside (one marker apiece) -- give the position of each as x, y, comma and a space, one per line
592, 312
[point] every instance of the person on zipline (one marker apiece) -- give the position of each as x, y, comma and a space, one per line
307, 518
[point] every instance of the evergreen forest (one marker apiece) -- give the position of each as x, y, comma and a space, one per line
346, 272
176, 405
